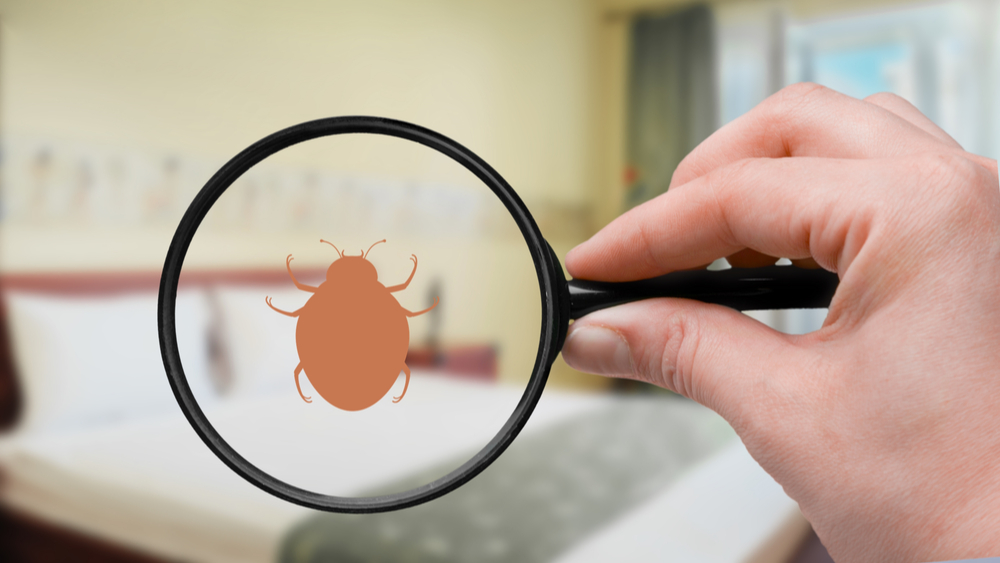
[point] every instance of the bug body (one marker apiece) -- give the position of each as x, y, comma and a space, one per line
352, 335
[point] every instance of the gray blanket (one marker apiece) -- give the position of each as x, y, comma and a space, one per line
545, 493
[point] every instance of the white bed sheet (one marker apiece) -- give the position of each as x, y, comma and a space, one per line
725, 509
155, 487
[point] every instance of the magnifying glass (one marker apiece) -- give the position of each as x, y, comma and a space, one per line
390, 309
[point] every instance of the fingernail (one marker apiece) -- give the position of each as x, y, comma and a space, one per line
596, 349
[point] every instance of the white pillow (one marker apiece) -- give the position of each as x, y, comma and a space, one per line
260, 343
86, 361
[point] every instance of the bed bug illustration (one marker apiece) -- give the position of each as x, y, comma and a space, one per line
352, 334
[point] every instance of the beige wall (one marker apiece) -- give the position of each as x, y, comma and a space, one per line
513, 80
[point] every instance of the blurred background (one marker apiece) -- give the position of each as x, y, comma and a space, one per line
113, 114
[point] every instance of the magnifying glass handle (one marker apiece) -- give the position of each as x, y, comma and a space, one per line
743, 289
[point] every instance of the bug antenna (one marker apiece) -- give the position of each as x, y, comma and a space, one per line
334, 247
371, 247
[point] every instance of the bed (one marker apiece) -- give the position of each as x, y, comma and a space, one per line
121, 476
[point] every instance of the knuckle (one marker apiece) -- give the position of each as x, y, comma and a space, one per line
880, 98
646, 241
798, 96
671, 364
720, 185
801, 90
937, 165
789, 105
949, 178
735, 174
946, 197
724, 185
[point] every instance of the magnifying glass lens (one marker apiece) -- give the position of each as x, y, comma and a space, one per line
377, 315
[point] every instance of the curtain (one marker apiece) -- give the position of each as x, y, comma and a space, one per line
672, 96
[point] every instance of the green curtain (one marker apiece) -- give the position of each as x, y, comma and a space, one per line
672, 96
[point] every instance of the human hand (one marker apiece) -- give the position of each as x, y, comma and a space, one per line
884, 425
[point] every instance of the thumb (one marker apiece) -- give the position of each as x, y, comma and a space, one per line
714, 355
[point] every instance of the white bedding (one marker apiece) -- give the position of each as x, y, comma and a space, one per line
85, 361
726, 509
154, 486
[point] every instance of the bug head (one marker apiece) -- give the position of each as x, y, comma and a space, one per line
352, 267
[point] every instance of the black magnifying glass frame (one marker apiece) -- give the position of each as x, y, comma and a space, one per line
550, 280
771, 287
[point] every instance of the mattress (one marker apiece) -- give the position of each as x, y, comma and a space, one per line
153, 486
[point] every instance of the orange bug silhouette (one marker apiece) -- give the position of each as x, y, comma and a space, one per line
352, 334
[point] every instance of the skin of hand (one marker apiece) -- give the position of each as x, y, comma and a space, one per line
884, 425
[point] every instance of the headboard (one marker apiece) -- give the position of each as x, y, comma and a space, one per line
475, 360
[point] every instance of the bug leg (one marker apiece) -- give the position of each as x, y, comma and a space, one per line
403, 285
298, 370
292, 314
410, 314
406, 385
302, 286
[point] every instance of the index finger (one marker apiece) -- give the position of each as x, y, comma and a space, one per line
791, 207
